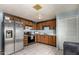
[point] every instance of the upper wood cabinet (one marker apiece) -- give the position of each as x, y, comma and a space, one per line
37, 26
28, 23
34, 26
9, 16
17, 19
25, 22
51, 24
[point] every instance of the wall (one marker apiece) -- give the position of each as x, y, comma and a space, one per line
1, 29
67, 28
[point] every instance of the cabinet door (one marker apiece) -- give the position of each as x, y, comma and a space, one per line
26, 23
39, 38
29, 23
42, 39
40, 26
34, 27
46, 39
52, 41
25, 41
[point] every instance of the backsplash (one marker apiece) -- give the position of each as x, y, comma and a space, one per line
42, 32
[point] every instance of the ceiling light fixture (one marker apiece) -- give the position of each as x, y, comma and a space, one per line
37, 7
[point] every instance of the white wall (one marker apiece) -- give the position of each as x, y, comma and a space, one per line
67, 28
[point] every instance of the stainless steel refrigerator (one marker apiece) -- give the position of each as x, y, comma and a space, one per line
19, 34
11, 35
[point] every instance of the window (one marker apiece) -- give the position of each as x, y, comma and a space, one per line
46, 28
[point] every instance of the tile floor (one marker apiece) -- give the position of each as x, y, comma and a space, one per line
39, 49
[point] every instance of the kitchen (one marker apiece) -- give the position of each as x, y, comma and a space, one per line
38, 29
41, 32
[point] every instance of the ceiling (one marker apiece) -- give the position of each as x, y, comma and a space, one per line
46, 12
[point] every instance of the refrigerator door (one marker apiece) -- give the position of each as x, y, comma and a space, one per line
9, 37
18, 37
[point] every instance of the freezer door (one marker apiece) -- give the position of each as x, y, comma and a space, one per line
18, 37
9, 38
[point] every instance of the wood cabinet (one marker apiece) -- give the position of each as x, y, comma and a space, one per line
52, 40
34, 27
39, 38
50, 23
39, 26
28, 23
25, 22
9, 17
25, 40
46, 39
42, 38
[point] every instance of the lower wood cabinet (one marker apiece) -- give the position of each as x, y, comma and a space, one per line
46, 39
25, 40
39, 39
51, 40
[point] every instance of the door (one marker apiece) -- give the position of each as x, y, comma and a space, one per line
19, 34
52, 40
42, 38
46, 39
8, 37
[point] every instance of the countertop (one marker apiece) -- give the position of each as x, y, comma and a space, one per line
41, 34
45, 34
